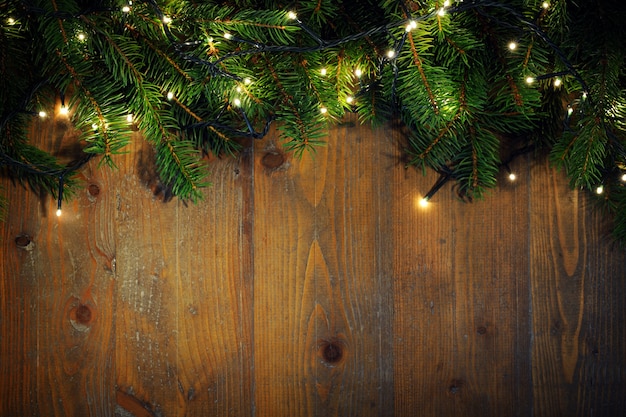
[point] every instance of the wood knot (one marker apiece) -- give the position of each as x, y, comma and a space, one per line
272, 160
81, 317
481, 330
24, 242
332, 351
94, 190
455, 386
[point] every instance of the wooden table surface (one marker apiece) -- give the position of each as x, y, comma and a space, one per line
309, 287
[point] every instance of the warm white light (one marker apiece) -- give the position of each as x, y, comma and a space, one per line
64, 110
324, 110
238, 89
237, 102
11, 21
42, 114
247, 81
358, 72
600, 189
570, 111
545, 5
167, 20
126, 9
512, 46
94, 126
170, 95
557, 82
530, 80
349, 99
323, 71
391, 53
446, 3
81, 36
624, 178
423, 202
512, 176
227, 35
129, 118
292, 15
441, 12
59, 212
585, 95
411, 25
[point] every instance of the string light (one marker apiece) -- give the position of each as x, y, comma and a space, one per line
60, 196
292, 15
441, 12
391, 54
42, 114
599, 189
237, 102
358, 72
411, 25
247, 81
167, 20
11, 21
324, 110
512, 176
624, 178
126, 9
530, 80
349, 99
170, 95
64, 110
227, 35
129, 117
557, 82
81, 36
323, 71
545, 5
512, 45
424, 202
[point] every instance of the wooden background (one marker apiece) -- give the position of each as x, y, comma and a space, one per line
312, 287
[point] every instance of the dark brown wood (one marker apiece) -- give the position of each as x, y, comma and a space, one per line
578, 284
322, 317
308, 287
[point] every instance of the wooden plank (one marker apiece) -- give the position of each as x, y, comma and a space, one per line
184, 307
461, 299
66, 327
320, 317
577, 276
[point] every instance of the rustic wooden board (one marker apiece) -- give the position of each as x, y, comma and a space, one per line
313, 287
62, 297
321, 315
461, 327
578, 282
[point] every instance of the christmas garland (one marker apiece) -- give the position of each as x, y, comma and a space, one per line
466, 79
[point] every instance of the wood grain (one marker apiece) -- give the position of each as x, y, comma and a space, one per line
321, 339
308, 287
461, 327
577, 276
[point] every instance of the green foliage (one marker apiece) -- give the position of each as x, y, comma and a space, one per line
195, 76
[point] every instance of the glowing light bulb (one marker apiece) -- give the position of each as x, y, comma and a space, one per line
585, 95
129, 117
94, 126
624, 178
599, 189
238, 89
11, 21
81, 36
167, 20
237, 102
42, 114
358, 72
545, 5
569, 111
349, 99
126, 9
391, 53
512, 176
64, 110
512, 46
59, 212
423, 202
170, 95
441, 12
324, 110
411, 25
323, 71
292, 15
247, 81
227, 35
530, 80
446, 3
557, 82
